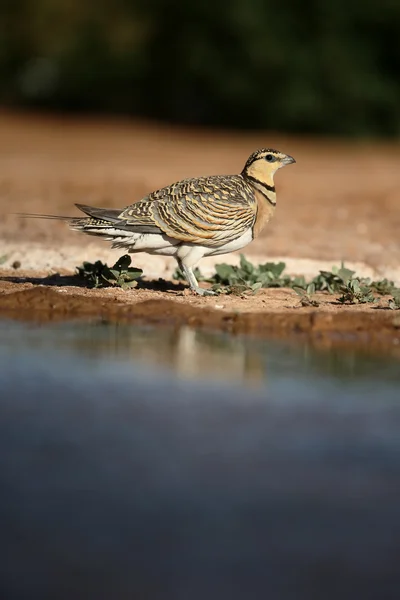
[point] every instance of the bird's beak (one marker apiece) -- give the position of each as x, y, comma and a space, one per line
288, 160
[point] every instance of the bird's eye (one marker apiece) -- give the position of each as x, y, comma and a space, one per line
270, 158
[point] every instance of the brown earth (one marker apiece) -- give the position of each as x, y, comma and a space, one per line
272, 312
341, 201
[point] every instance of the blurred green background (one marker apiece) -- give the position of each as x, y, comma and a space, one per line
329, 67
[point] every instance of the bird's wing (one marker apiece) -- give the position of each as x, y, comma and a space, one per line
210, 211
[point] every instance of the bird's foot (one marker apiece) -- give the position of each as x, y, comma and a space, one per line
203, 292
193, 284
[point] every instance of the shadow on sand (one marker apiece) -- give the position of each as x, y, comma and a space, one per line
57, 280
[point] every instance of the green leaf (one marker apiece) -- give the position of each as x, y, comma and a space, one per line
311, 288
224, 272
383, 287
134, 273
298, 281
122, 263
129, 284
345, 274
245, 265
276, 269
300, 291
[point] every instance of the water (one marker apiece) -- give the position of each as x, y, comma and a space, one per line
139, 463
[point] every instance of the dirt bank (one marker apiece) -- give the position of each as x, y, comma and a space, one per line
271, 312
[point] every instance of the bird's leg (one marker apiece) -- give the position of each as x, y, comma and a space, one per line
191, 279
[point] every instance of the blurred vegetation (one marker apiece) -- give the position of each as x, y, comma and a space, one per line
329, 67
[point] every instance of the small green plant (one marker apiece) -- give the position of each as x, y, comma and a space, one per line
247, 278
394, 302
383, 287
306, 294
120, 275
353, 292
267, 275
3, 259
331, 281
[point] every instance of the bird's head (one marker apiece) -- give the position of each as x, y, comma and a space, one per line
263, 164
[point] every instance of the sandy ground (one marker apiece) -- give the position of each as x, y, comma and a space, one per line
341, 201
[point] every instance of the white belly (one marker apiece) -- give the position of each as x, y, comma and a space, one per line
190, 254
154, 243
237, 244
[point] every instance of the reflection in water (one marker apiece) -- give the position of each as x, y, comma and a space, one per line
120, 480
188, 353
200, 355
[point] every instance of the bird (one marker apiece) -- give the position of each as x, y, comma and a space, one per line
192, 218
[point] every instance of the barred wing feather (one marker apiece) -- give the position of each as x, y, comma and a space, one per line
206, 211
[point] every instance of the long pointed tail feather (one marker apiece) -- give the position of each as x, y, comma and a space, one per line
103, 214
104, 222
40, 216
